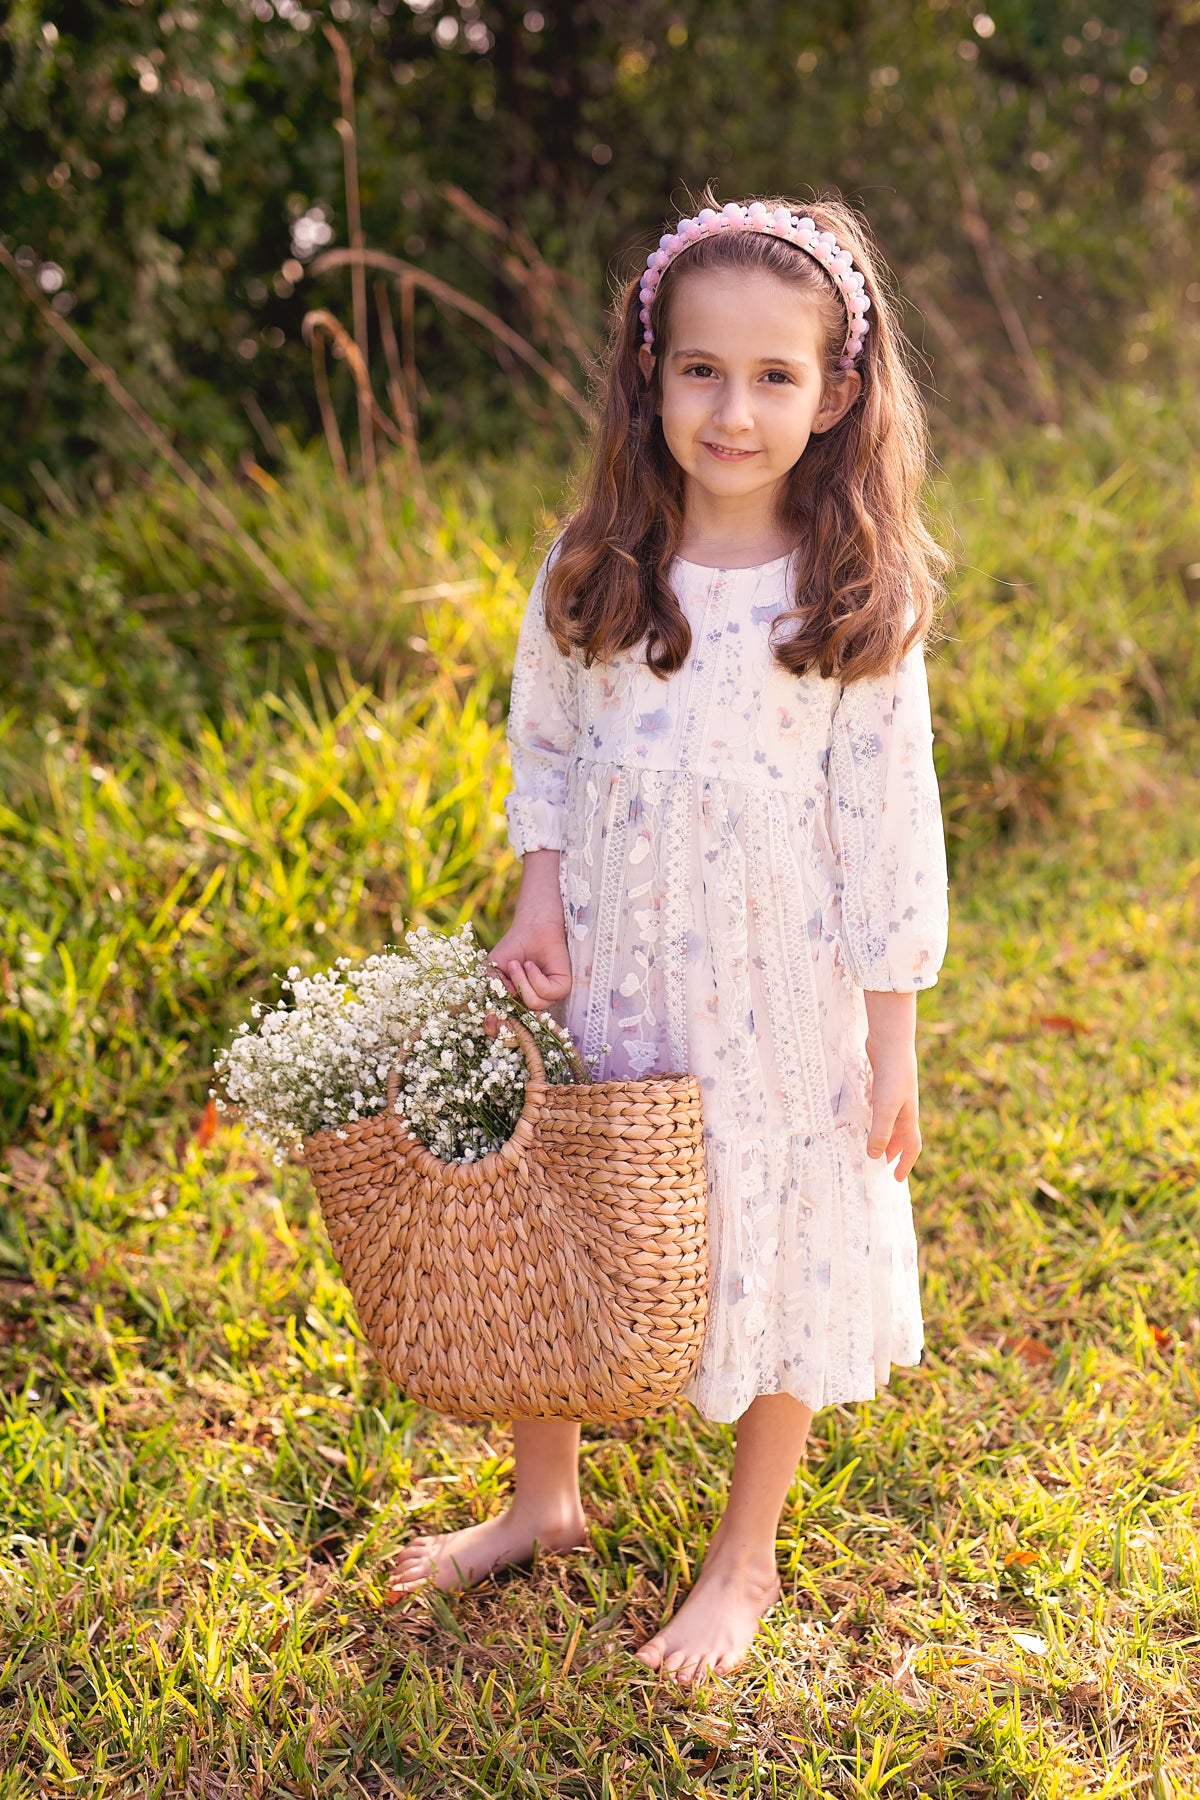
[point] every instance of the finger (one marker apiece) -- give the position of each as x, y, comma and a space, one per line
532, 985
882, 1127
911, 1160
494, 971
554, 985
906, 1145
522, 987
547, 987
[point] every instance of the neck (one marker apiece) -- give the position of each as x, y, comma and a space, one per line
729, 531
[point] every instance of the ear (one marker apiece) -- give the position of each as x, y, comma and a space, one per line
645, 358
837, 400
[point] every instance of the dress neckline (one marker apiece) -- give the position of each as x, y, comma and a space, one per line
776, 562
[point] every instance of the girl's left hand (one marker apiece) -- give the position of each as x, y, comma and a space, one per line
891, 1047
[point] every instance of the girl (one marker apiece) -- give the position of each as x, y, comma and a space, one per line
725, 802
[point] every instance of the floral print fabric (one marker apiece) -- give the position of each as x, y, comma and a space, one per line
744, 851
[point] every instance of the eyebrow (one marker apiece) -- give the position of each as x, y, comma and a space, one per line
783, 362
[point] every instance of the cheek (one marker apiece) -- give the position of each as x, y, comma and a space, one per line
681, 406
673, 416
801, 416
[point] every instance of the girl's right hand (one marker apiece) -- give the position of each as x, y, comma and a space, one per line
532, 960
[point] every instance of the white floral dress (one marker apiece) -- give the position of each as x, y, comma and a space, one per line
744, 851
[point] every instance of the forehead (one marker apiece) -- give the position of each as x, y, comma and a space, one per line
745, 311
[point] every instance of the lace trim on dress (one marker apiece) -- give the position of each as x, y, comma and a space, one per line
728, 911
608, 915
778, 892
708, 634
535, 822
679, 822
678, 827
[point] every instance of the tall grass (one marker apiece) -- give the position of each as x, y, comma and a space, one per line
143, 610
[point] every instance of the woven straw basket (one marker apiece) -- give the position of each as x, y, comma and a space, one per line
564, 1275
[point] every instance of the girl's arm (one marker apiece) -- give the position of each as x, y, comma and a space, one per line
892, 1050
532, 956
886, 824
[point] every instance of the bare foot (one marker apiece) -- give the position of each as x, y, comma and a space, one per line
460, 1559
715, 1626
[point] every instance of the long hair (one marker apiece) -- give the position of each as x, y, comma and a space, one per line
868, 569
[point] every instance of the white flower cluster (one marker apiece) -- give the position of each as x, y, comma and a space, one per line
322, 1057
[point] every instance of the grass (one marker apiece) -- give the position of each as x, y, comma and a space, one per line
991, 1572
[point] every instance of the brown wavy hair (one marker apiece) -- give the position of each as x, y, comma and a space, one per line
869, 571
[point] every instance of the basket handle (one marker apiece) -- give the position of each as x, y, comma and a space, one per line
528, 1043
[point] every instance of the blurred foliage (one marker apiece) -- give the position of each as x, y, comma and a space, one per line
142, 611
170, 169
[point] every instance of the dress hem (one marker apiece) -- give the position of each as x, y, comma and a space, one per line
855, 1398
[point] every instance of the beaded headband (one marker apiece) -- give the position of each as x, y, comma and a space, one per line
803, 232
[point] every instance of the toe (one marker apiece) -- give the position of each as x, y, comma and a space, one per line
651, 1653
408, 1581
416, 1551
411, 1565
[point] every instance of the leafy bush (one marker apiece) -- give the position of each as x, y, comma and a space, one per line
165, 169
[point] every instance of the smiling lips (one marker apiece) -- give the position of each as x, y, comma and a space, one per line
726, 455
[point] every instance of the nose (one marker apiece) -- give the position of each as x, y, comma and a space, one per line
734, 411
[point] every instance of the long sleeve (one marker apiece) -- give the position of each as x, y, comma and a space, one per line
886, 824
542, 727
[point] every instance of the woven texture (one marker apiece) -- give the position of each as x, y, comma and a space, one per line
563, 1276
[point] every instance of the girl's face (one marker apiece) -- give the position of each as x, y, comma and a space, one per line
742, 382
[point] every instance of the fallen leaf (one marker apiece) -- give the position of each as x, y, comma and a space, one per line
1062, 1022
206, 1130
1022, 1557
1031, 1350
1036, 1646
1085, 1692
1162, 1338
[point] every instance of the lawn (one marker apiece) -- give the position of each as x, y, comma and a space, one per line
992, 1582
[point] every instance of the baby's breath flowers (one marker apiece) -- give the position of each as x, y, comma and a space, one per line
321, 1058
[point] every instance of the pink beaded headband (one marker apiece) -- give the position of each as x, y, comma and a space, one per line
803, 232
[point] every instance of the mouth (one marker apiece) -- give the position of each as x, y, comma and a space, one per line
723, 454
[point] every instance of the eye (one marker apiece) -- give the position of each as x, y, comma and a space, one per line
701, 369
779, 375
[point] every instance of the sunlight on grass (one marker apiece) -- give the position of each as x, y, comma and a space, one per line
992, 1583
